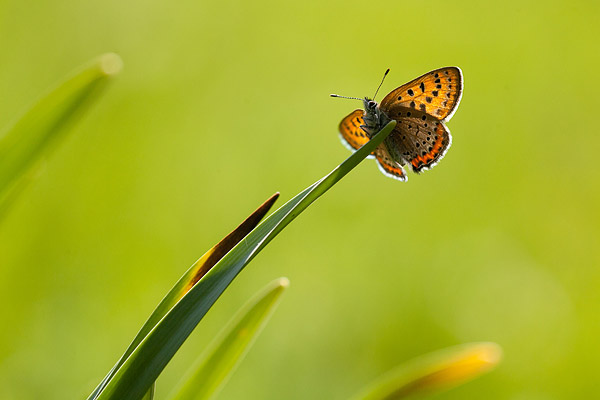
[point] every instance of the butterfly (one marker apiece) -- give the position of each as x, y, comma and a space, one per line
421, 107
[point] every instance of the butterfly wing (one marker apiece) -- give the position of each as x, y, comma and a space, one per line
419, 139
387, 165
436, 93
353, 136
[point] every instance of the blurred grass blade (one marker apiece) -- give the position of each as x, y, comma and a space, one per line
435, 372
230, 346
10, 196
147, 361
189, 279
22, 144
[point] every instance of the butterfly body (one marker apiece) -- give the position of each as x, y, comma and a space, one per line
374, 119
420, 108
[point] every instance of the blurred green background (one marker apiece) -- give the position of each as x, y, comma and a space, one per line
220, 104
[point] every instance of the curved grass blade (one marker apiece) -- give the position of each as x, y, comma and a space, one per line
229, 347
148, 360
189, 279
22, 144
435, 372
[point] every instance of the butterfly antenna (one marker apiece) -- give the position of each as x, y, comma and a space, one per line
345, 97
383, 79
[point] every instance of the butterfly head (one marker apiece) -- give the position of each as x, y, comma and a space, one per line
369, 104
374, 118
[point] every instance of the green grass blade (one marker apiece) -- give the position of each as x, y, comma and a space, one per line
229, 347
22, 144
149, 394
187, 281
435, 372
148, 360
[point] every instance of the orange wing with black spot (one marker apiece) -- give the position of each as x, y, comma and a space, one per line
353, 135
387, 165
436, 93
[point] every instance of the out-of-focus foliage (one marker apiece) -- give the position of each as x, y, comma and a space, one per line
35, 133
433, 372
222, 103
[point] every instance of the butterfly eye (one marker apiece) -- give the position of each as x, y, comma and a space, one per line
372, 104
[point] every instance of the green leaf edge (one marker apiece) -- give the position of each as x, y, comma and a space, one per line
147, 361
149, 393
220, 359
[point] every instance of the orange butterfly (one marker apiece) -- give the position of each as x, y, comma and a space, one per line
420, 107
